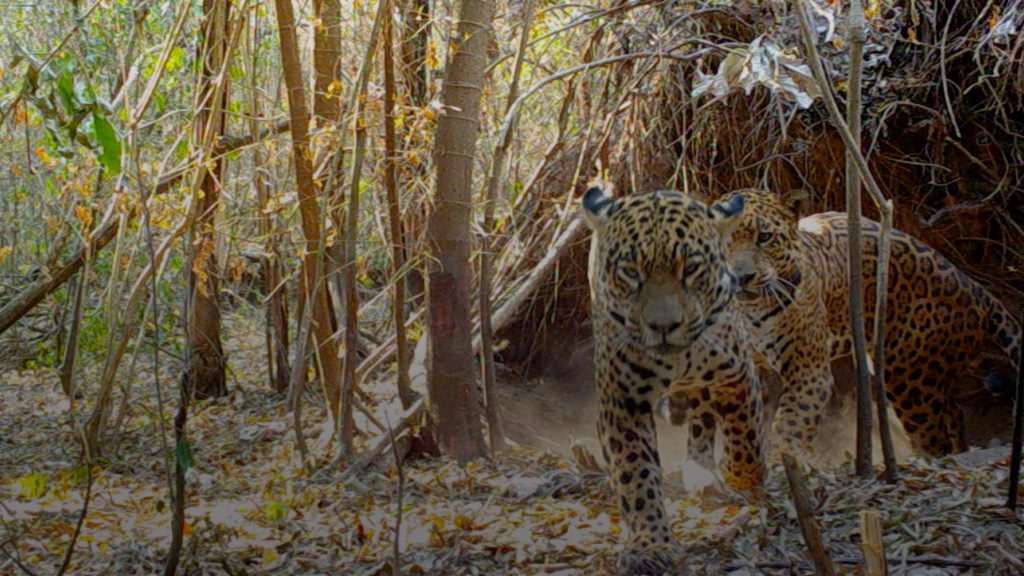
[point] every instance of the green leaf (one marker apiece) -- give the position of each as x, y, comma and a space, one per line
275, 512
175, 59
183, 455
110, 145
66, 87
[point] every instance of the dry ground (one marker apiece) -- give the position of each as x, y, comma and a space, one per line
253, 511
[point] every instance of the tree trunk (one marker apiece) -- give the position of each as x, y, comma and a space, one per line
205, 369
855, 255
326, 57
276, 305
415, 68
405, 392
495, 182
416, 32
314, 288
451, 379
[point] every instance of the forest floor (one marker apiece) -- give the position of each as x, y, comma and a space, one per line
252, 510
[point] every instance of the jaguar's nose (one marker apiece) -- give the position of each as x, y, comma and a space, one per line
664, 328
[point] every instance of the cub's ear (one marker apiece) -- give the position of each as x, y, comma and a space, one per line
797, 201
597, 207
724, 212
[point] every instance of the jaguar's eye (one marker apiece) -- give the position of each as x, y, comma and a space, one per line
765, 237
692, 266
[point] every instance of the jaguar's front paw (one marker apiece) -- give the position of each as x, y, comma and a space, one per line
651, 559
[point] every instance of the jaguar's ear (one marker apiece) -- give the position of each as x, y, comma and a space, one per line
597, 207
797, 201
724, 212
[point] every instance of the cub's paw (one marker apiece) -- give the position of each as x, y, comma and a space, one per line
648, 559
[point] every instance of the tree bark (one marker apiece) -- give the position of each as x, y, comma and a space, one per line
451, 379
276, 305
314, 289
405, 393
326, 58
205, 374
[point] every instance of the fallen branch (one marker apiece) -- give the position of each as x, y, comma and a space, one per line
872, 544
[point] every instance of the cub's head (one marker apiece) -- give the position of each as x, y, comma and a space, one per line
658, 274
762, 244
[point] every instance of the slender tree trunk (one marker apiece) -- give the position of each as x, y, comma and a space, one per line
857, 33
451, 377
357, 106
495, 182
405, 392
314, 290
276, 305
413, 52
327, 110
205, 375
415, 68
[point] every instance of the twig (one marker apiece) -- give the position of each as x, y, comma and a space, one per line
494, 183
14, 560
805, 514
358, 97
81, 516
409, 417
881, 299
396, 568
852, 146
49, 57
1018, 432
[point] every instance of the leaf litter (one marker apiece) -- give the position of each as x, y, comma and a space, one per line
253, 510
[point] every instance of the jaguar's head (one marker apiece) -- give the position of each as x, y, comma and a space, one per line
762, 243
658, 275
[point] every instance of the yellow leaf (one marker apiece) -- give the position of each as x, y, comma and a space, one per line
993, 19
31, 486
463, 523
873, 9
5, 251
84, 216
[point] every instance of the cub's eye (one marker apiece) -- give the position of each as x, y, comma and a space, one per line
764, 237
692, 266
630, 275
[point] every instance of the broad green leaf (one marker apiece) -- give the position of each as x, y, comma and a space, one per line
183, 455
66, 87
110, 145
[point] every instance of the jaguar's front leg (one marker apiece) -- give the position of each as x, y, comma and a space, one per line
742, 412
629, 443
